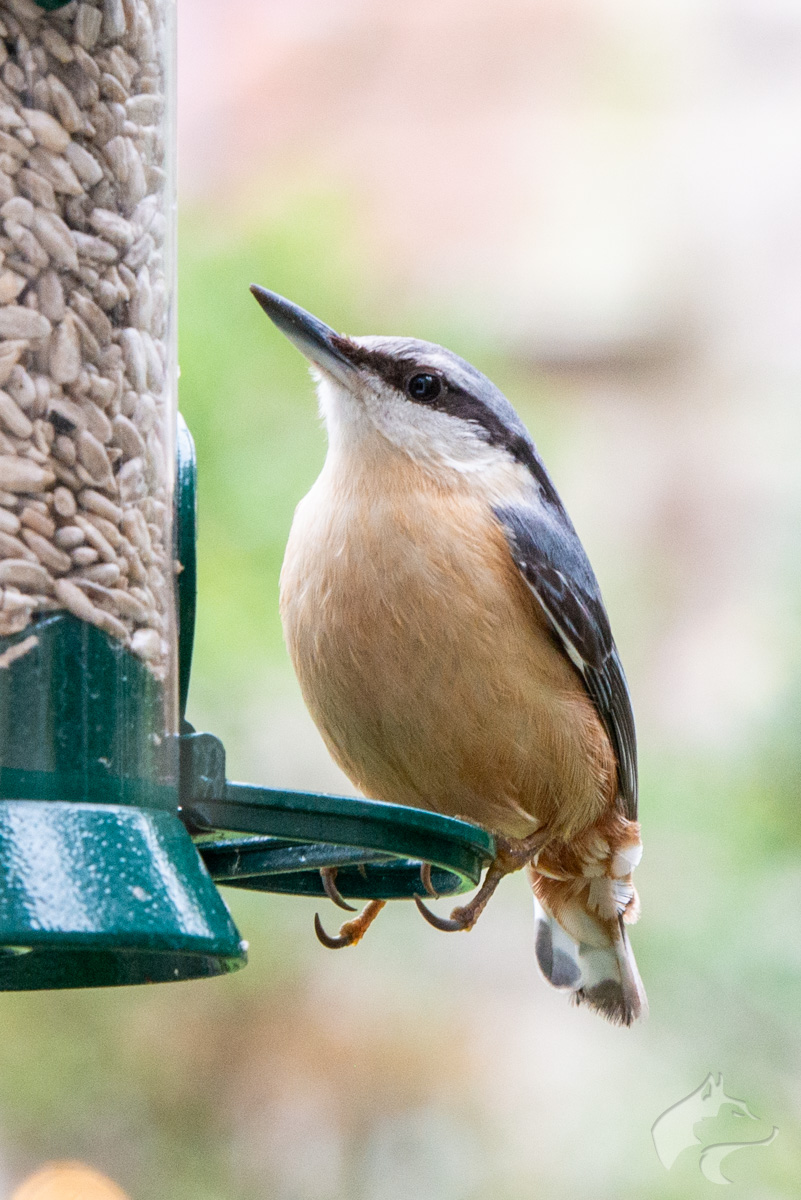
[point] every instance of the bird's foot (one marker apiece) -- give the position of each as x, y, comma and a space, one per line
352, 931
425, 879
465, 916
512, 854
329, 876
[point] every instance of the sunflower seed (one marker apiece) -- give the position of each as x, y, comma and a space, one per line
37, 188
128, 437
88, 23
95, 248
12, 547
95, 538
56, 45
112, 89
56, 238
69, 537
84, 556
13, 418
34, 518
13, 146
131, 481
25, 574
97, 422
26, 10
112, 227
64, 502
48, 132
49, 556
93, 315
146, 643
67, 111
135, 356
84, 164
22, 389
27, 245
107, 574
92, 456
19, 322
56, 170
19, 474
95, 502
51, 296
9, 522
71, 596
18, 209
65, 474
109, 531
7, 188
65, 352
64, 448
11, 285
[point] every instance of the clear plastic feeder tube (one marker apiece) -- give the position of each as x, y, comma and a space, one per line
87, 382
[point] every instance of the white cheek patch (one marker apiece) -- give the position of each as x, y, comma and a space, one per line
446, 444
434, 440
425, 433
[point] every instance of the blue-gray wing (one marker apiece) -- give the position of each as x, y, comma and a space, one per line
552, 561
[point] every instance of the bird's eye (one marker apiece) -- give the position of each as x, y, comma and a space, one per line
424, 387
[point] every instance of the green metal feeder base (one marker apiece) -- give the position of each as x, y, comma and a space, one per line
96, 895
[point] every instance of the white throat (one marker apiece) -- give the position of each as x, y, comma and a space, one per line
366, 428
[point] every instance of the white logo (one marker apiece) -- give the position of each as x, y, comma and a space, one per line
674, 1130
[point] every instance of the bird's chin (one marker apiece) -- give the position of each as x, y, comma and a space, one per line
343, 409
337, 374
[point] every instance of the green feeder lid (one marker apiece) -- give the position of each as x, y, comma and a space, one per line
102, 894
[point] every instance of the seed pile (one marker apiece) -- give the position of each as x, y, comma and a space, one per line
84, 419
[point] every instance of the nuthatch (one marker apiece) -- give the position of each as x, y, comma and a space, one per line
452, 646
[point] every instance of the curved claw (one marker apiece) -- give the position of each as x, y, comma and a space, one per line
425, 878
331, 943
446, 924
328, 876
352, 931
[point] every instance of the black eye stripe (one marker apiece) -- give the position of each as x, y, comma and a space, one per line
451, 399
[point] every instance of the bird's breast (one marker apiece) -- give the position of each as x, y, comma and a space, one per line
427, 665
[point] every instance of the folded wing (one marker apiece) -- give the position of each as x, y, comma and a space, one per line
553, 563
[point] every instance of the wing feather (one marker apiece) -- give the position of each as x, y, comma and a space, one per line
553, 563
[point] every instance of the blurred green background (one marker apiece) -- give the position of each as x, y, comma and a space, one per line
596, 204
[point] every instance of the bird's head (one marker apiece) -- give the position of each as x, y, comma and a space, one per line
422, 399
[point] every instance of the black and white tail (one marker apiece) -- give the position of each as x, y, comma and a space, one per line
585, 952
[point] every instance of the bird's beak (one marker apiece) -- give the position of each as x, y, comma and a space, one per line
316, 341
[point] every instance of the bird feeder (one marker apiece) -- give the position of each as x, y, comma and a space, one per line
116, 817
